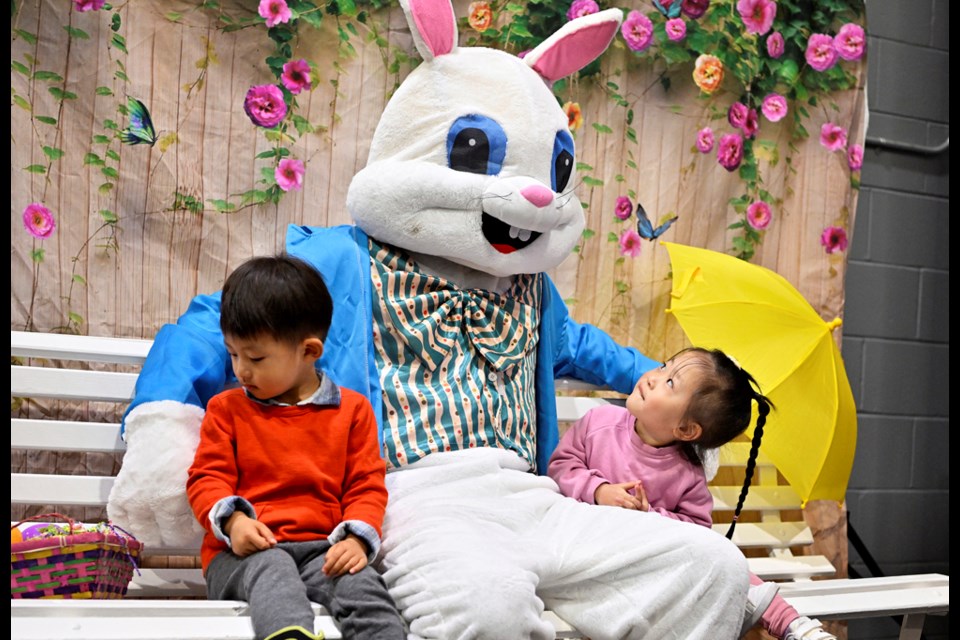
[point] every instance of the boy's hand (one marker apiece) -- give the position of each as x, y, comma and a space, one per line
247, 535
348, 555
618, 495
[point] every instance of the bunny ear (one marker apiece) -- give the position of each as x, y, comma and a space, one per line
574, 45
433, 25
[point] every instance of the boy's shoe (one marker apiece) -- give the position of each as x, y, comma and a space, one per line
294, 633
804, 628
759, 597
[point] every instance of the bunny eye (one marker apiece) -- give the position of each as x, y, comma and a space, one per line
562, 167
476, 144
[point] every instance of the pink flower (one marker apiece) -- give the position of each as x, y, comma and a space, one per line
774, 107
833, 137
758, 215
265, 106
582, 8
752, 124
705, 140
834, 239
757, 15
821, 54
637, 31
88, 5
676, 29
855, 157
730, 151
38, 221
693, 9
630, 243
296, 76
623, 208
289, 174
274, 12
850, 41
737, 115
775, 44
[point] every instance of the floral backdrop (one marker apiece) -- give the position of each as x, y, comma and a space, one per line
156, 145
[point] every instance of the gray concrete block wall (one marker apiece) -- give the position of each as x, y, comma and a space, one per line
896, 340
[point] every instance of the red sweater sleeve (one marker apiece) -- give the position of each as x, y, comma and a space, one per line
213, 475
364, 490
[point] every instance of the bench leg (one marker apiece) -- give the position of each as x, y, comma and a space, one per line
912, 626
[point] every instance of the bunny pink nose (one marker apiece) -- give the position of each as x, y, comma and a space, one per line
539, 196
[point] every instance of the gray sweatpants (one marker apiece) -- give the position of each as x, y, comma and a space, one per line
280, 583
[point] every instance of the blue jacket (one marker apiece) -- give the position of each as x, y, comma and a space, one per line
188, 361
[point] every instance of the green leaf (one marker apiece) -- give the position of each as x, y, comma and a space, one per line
110, 172
48, 76
75, 318
113, 155
583, 166
115, 22
601, 128
19, 67
92, 158
101, 139
105, 188
53, 153
588, 233
119, 42
79, 279
222, 206
26, 35
36, 168
173, 16
104, 91
108, 216
21, 102
612, 237
60, 94
592, 182
37, 255
748, 172
76, 33
621, 286
46, 120
788, 71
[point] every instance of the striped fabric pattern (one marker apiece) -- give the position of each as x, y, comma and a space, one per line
456, 365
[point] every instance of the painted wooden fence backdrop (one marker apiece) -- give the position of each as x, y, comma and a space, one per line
129, 277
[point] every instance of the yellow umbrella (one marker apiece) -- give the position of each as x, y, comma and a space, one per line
759, 318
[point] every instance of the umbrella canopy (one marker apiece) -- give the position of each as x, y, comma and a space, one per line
757, 317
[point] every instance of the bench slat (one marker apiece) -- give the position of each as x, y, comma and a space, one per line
65, 435
760, 498
870, 597
792, 567
774, 535
43, 488
71, 384
54, 346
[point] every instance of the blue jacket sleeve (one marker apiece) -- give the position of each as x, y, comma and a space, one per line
188, 361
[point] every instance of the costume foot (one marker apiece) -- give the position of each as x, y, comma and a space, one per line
294, 633
804, 628
759, 597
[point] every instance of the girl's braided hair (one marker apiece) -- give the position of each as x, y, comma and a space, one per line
722, 407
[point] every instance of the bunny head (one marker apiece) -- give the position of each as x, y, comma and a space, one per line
472, 159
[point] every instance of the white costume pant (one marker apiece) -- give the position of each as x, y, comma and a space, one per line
475, 547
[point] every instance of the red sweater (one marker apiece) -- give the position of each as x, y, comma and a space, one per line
305, 468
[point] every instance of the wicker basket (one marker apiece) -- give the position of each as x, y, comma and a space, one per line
82, 563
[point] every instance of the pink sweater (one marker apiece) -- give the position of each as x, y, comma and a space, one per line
603, 447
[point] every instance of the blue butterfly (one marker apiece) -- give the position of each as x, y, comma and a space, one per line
141, 129
645, 227
672, 10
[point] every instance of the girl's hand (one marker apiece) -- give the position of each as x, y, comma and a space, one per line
348, 555
247, 535
618, 495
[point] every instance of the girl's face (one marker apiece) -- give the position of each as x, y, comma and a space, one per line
661, 397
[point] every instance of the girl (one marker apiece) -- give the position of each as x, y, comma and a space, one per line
646, 456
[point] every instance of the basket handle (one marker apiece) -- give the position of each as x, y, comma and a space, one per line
46, 516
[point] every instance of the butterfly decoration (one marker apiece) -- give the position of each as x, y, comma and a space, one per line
669, 8
645, 227
140, 130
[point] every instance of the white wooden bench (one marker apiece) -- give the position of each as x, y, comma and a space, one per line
167, 603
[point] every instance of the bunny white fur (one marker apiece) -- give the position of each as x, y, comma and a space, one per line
471, 172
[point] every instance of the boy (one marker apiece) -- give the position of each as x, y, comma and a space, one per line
287, 479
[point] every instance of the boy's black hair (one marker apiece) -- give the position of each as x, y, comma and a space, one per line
280, 296
722, 406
